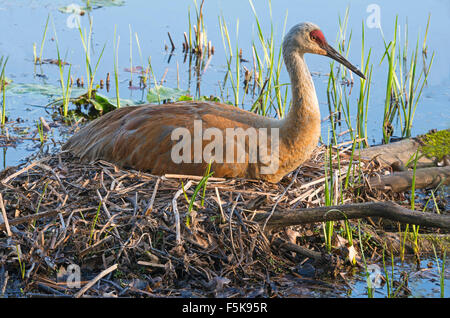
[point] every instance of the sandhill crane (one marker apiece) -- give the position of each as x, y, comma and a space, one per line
141, 137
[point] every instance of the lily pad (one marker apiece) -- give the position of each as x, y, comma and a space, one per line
39, 89
106, 3
102, 103
76, 9
161, 93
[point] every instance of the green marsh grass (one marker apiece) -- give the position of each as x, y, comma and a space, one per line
86, 39
131, 54
38, 59
116, 64
405, 81
337, 90
94, 223
389, 279
202, 184
144, 74
40, 128
441, 270
66, 85
370, 288
364, 92
413, 204
415, 232
155, 82
330, 199
200, 43
267, 69
3, 83
235, 80
340, 87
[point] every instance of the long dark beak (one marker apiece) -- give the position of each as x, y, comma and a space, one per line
338, 57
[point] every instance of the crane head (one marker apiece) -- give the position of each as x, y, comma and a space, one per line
307, 37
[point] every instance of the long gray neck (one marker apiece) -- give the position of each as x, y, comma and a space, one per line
304, 113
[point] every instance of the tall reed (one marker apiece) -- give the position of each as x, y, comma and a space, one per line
66, 85
405, 81
91, 70
267, 69
3, 83
116, 65
38, 59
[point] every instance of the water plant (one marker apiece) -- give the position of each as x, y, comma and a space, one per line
116, 63
370, 287
441, 270
267, 69
435, 144
38, 59
202, 184
405, 83
40, 129
90, 69
197, 40
3, 84
94, 223
66, 85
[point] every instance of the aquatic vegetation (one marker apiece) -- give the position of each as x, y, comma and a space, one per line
197, 40
263, 80
3, 83
436, 144
38, 59
66, 86
91, 4
48, 90
202, 184
161, 93
405, 83
267, 69
116, 63
86, 39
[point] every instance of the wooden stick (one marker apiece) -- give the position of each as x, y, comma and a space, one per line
388, 210
7, 179
171, 41
220, 204
299, 249
5, 217
396, 151
96, 279
185, 176
30, 218
149, 208
402, 181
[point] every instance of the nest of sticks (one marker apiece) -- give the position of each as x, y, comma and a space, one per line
130, 233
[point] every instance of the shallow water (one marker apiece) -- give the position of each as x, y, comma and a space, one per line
22, 24
422, 282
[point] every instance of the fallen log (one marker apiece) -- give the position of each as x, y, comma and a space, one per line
317, 256
388, 210
402, 181
400, 151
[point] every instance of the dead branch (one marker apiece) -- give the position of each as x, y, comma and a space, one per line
96, 279
396, 151
29, 218
402, 181
388, 210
